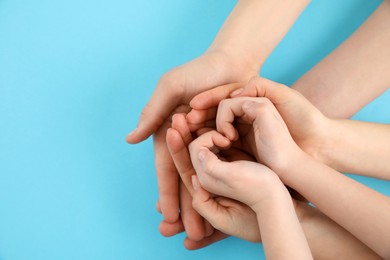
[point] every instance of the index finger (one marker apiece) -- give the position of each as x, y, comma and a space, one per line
212, 97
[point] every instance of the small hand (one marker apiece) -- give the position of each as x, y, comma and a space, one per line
306, 124
260, 128
227, 215
246, 181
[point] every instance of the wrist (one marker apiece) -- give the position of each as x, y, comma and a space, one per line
275, 192
237, 60
324, 149
291, 164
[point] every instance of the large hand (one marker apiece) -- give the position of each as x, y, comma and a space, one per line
178, 139
224, 214
175, 90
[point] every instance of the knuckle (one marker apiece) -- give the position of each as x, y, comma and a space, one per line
254, 81
261, 108
192, 146
223, 104
209, 167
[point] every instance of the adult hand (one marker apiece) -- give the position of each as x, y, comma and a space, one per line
178, 139
173, 93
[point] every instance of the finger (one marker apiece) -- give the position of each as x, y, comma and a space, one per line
263, 114
204, 130
196, 116
158, 207
167, 179
214, 173
211, 140
208, 124
180, 156
232, 109
165, 98
261, 87
215, 237
228, 111
193, 222
200, 149
208, 228
178, 139
212, 97
170, 229
180, 124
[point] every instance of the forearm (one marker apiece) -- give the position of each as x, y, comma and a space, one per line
360, 210
355, 73
327, 239
255, 27
357, 147
281, 232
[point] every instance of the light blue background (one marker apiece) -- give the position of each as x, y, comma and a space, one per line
74, 76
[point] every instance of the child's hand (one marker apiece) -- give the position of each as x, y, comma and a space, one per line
245, 181
254, 185
260, 129
227, 215
307, 125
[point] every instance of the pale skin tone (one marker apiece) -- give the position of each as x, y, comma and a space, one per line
326, 238
345, 145
225, 61
254, 185
360, 210
230, 60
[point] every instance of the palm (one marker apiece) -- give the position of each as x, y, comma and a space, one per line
238, 219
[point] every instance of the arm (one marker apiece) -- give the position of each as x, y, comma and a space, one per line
360, 210
326, 238
357, 147
254, 28
357, 71
235, 55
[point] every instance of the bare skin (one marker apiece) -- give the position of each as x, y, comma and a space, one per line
325, 237
228, 61
267, 136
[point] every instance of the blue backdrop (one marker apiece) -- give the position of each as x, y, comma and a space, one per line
74, 76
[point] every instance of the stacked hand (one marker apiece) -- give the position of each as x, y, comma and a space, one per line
172, 95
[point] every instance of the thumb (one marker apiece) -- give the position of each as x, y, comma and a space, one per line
215, 175
260, 87
164, 100
212, 97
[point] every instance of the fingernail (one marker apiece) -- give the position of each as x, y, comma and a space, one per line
195, 183
132, 132
202, 155
237, 92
